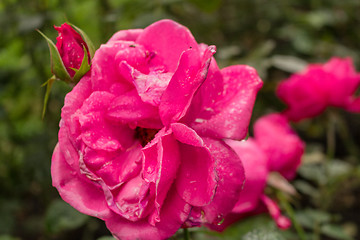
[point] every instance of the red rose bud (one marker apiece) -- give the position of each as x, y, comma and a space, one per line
71, 47
70, 57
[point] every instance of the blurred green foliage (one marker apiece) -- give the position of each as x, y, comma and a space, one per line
276, 37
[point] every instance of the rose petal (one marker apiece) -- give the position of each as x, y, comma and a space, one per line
105, 66
130, 109
73, 101
305, 99
77, 190
173, 213
196, 180
230, 112
161, 162
134, 199
150, 87
256, 171
114, 168
280, 143
354, 105
96, 131
126, 35
167, 40
343, 80
230, 176
188, 77
281, 221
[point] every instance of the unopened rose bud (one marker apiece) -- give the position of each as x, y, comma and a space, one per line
71, 47
70, 57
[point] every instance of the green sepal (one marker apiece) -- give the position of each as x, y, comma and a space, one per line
86, 39
48, 85
57, 65
83, 69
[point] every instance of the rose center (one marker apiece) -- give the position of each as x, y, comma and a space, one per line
145, 135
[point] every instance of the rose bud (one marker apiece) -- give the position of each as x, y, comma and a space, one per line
70, 57
72, 49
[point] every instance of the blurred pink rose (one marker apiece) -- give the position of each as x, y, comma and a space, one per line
309, 93
71, 46
275, 147
281, 144
140, 140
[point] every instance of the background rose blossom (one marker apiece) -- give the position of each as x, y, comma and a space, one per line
308, 93
140, 140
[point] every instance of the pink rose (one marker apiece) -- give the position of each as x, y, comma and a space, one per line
71, 46
310, 92
280, 143
275, 147
140, 140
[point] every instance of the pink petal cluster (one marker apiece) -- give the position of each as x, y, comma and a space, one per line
140, 141
275, 147
308, 93
71, 47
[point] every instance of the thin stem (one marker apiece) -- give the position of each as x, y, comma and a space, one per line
346, 137
331, 136
289, 210
186, 234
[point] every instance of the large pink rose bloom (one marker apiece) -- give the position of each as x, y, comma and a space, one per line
140, 140
275, 148
308, 93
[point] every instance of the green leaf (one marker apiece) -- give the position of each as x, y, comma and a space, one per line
311, 217
334, 231
48, 84
106, 238
264, 234
7, 237
57, 65
84, 68
87, 40
61, 216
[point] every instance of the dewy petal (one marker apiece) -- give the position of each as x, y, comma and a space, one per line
133, 199
173, 214
150, 87
280, 143
96, 131
161, 162
256, 172
126, 35
229, 115
230, 177
188, 77
196, 180
76, 189
114, 168
281, 221
167, 40
130, 109
75, 99
105, 67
